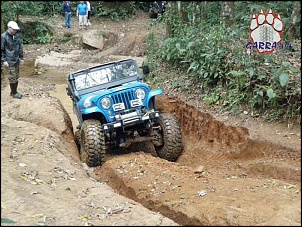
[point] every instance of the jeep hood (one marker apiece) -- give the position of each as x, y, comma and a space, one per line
116, 89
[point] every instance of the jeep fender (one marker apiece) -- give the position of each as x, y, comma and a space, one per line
91, 108
153, 93
84, 112
96, 113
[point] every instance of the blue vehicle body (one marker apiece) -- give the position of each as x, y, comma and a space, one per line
124, 94
125, 109
115, 108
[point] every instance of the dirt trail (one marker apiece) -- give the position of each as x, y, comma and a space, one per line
234, 172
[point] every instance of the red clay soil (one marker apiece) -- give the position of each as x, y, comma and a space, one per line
223, 177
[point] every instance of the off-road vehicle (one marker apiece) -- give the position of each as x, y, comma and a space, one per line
116, 108
157, 8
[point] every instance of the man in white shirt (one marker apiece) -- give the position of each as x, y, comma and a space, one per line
89, 13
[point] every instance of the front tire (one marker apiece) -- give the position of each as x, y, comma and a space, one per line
93, 148
172, 140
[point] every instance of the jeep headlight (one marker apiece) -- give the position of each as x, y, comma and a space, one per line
106, 103
140, 93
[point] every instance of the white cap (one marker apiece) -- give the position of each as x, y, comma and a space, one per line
13, 25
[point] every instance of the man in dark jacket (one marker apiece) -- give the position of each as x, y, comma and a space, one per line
67, 13
12, 56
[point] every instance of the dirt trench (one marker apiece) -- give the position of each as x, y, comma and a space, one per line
216, 179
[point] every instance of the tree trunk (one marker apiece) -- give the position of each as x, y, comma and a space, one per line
294, 18
169, 7
203, 12
2, 23
228, 9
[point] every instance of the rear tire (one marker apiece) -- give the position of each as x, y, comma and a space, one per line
172, 140
93, 148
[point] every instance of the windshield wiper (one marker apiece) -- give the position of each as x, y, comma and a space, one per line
87, 74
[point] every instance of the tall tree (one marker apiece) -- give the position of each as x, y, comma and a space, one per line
203, 12
294, 20
228, 8
169, 7
2, 23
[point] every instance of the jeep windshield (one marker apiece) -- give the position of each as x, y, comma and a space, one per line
107, 75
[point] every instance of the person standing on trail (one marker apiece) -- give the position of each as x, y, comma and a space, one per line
89, 13
67, 13
82, 12
12, 56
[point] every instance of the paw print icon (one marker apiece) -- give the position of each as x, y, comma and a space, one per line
266, 31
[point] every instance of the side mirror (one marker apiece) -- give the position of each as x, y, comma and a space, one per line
146, 69
68, 91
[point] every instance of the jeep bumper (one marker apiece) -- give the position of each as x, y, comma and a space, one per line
130, 119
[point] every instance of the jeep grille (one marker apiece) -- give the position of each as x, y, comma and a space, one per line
124, 97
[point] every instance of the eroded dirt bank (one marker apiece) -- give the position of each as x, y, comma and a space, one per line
223, 177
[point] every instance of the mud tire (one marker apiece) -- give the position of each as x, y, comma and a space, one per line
93, 149
172, 140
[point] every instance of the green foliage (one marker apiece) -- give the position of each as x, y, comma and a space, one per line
114, 11
220, 66
35, 32
43, 35
145, 6
152, 50
12, 10
270, 93
212, 10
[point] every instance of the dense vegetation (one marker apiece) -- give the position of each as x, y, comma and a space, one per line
209, 53
205, 50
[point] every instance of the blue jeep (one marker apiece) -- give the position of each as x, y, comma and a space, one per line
115, 108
